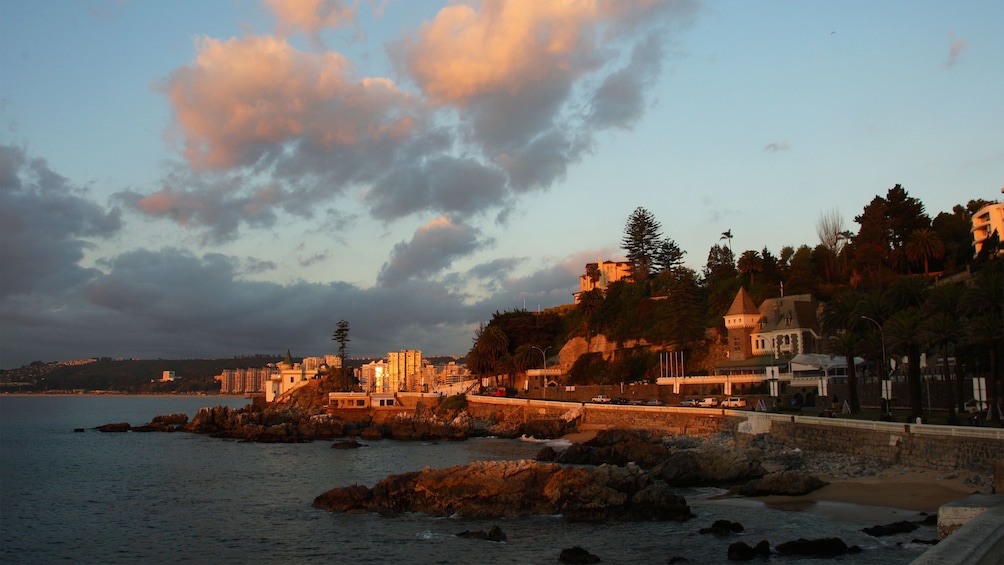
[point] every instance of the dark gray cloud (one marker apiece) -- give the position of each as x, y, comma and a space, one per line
443, 184
174, 304
216, 203
433, 248
46, 223
619, 102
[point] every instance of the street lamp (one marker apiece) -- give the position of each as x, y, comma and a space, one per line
543, 355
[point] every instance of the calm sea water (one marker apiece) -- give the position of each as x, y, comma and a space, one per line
89, 497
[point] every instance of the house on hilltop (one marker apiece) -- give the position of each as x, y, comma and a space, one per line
601, 274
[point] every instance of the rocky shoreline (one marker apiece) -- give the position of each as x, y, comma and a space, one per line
616, 474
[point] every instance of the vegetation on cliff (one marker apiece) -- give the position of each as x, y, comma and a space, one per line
878, 286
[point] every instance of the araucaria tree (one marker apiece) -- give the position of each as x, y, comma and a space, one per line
341, 336
641, 241
648, 253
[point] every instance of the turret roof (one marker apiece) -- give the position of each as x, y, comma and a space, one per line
743, 304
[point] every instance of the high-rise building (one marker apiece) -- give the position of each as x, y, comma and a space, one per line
404, 370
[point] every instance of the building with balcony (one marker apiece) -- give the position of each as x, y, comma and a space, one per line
986, 221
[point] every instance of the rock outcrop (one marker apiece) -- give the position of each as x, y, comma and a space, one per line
510, 489
708, 466
788, 483
616, 447
821, 547
114, 428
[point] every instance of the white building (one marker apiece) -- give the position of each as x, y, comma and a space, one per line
986, 221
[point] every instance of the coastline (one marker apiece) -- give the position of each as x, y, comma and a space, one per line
893, 488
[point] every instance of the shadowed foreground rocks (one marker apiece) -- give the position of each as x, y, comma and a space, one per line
511, 489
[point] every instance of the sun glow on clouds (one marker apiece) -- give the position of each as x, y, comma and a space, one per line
507, 95
242, 97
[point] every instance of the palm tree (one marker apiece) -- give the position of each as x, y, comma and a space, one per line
750, 262
941, 330
589, 301
902, 334
524, 358
983, 301
845, 343
924, 244
839, 320
727, 234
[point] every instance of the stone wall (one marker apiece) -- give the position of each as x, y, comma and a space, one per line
940, 448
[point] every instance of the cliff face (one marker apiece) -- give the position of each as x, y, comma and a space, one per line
509, 489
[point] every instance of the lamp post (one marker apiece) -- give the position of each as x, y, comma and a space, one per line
543, 356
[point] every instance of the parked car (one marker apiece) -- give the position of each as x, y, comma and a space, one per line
654, 402
601, 399
689, 402
619, 400
709, 402
734, 402
975, 406
637, 401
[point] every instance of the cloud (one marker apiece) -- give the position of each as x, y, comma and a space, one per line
310, 16
509, 95
433, 248
955, 51
46, 223
218, 203
172, 303
243, 99
777, 146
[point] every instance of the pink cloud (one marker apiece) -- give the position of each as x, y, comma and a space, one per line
955, 51
243, 96
465, 51
310, 16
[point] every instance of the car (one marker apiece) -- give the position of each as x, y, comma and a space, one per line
619, 400
734, 402
974, 406
654, 402
709, 402
637, 401
688, 402
601, 399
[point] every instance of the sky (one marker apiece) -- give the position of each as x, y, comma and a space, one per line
187, 179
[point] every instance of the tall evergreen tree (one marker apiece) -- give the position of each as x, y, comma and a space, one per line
641, 242
341, 337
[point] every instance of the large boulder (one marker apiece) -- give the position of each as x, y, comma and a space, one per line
821, 547
171, 419
788, 483
545, 429
509, 489
708, 466
616, 447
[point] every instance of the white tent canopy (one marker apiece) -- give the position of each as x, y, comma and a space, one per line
820, 362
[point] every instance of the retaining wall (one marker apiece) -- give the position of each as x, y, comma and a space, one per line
941, 448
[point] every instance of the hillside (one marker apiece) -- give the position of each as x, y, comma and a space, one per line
132, 375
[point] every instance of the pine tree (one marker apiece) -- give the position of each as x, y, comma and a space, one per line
641, 241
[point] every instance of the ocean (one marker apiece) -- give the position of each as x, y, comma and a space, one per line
71, 497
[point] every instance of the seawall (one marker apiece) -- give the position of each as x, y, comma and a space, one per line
940, 448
